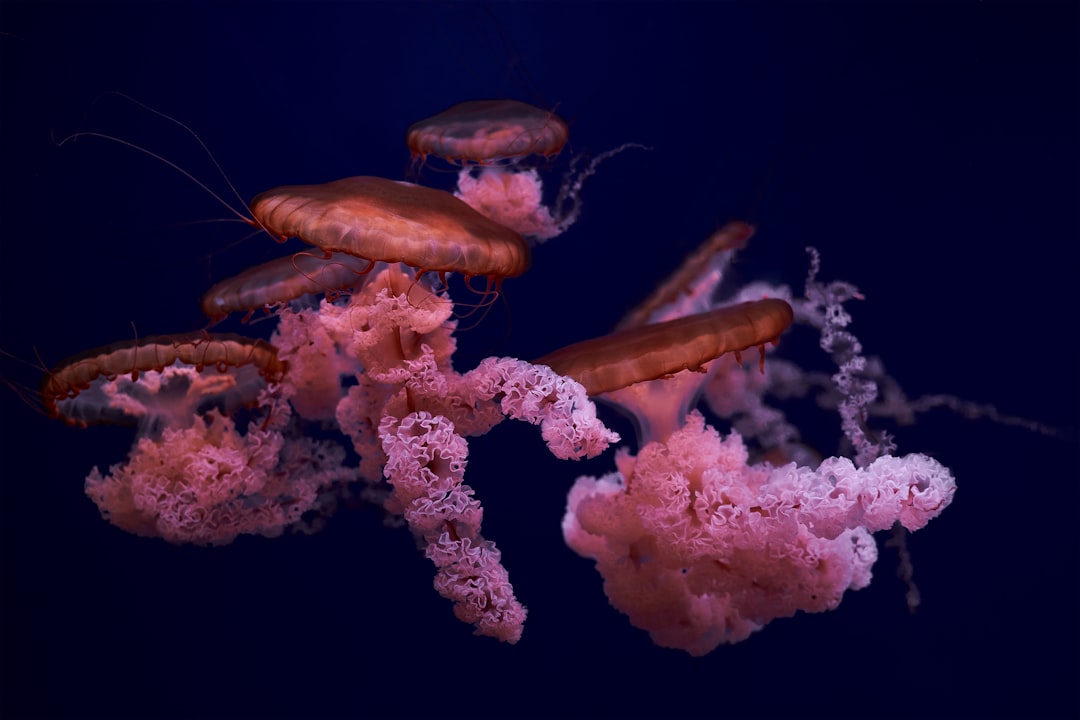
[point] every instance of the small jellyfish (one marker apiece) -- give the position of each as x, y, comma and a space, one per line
488, 132
491, 140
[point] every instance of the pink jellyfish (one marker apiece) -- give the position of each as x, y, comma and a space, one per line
491, 139
408, 411
358, 222
192, 475
696, 544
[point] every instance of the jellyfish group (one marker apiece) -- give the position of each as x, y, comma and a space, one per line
700, 538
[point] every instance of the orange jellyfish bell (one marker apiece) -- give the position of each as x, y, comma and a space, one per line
487, 132
160, 381
281, 280
654, 351
619, 366
378, 219
694, 281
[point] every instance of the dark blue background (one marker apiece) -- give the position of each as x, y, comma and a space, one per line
929, 150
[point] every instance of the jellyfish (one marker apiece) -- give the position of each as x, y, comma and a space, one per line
278, 281
691, 287
159, 381
621, 368
491, 140
488, 132
696, 544
316, 361
378, 219
406, 411
359, 223
408, 414
192, 475
375, 222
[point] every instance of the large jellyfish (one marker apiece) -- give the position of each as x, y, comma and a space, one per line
378, 219
406, 410
696, 544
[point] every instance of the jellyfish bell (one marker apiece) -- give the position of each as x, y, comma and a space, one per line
160, 382
283, 279
390, 221
654, 351
655, 372
690, 288
488, 132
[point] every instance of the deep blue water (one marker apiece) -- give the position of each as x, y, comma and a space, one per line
930, 151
